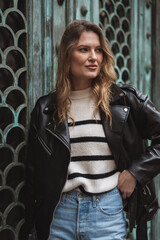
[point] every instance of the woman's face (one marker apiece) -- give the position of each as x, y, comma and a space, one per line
86, 59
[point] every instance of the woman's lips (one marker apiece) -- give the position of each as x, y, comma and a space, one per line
93, 67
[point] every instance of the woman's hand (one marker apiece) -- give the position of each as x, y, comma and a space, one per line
126, 183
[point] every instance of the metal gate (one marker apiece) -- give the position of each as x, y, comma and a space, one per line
30, 32
13, 117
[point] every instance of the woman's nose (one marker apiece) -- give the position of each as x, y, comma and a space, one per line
93, 55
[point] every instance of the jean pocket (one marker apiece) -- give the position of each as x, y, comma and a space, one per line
111, 205
110, 211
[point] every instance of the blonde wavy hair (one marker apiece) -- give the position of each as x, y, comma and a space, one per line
101, 84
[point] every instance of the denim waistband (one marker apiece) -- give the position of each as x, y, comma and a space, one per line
75, 194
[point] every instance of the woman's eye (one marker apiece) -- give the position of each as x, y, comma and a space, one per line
83, 49
99, 50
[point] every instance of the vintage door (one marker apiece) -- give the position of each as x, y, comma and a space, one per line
30, 32
13, 116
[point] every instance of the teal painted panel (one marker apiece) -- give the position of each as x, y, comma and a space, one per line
34, 52
47, 50
155, 230
141, 48
82, 10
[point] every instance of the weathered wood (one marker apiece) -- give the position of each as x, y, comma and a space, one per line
141, 46
155, 230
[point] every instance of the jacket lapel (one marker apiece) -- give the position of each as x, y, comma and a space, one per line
114, 133
61, 131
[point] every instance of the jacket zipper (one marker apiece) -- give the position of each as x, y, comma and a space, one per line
59, 138
66, 174
44, 146
146, 189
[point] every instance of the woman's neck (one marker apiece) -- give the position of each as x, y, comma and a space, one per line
77, 85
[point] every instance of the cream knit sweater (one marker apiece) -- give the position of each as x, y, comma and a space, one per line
92, 168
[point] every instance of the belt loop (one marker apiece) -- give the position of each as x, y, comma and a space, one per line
94, 203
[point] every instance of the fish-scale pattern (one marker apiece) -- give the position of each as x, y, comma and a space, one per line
115, 20
13, 115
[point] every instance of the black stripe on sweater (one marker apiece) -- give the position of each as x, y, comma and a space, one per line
83, 122
92, 158
88, 139
92, 176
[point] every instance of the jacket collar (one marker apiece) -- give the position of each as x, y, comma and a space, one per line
50, 107
62, 131
117, 92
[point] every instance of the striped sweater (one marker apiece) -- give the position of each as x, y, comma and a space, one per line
92, 168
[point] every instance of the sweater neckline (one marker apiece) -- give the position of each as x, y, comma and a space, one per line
85, 93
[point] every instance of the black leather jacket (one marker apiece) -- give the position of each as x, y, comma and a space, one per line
134, 120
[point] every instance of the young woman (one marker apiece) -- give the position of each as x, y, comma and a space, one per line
87, 148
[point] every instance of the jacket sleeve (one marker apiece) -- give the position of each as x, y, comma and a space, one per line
30, 203
147, 166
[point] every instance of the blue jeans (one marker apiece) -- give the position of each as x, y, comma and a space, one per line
89, 217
